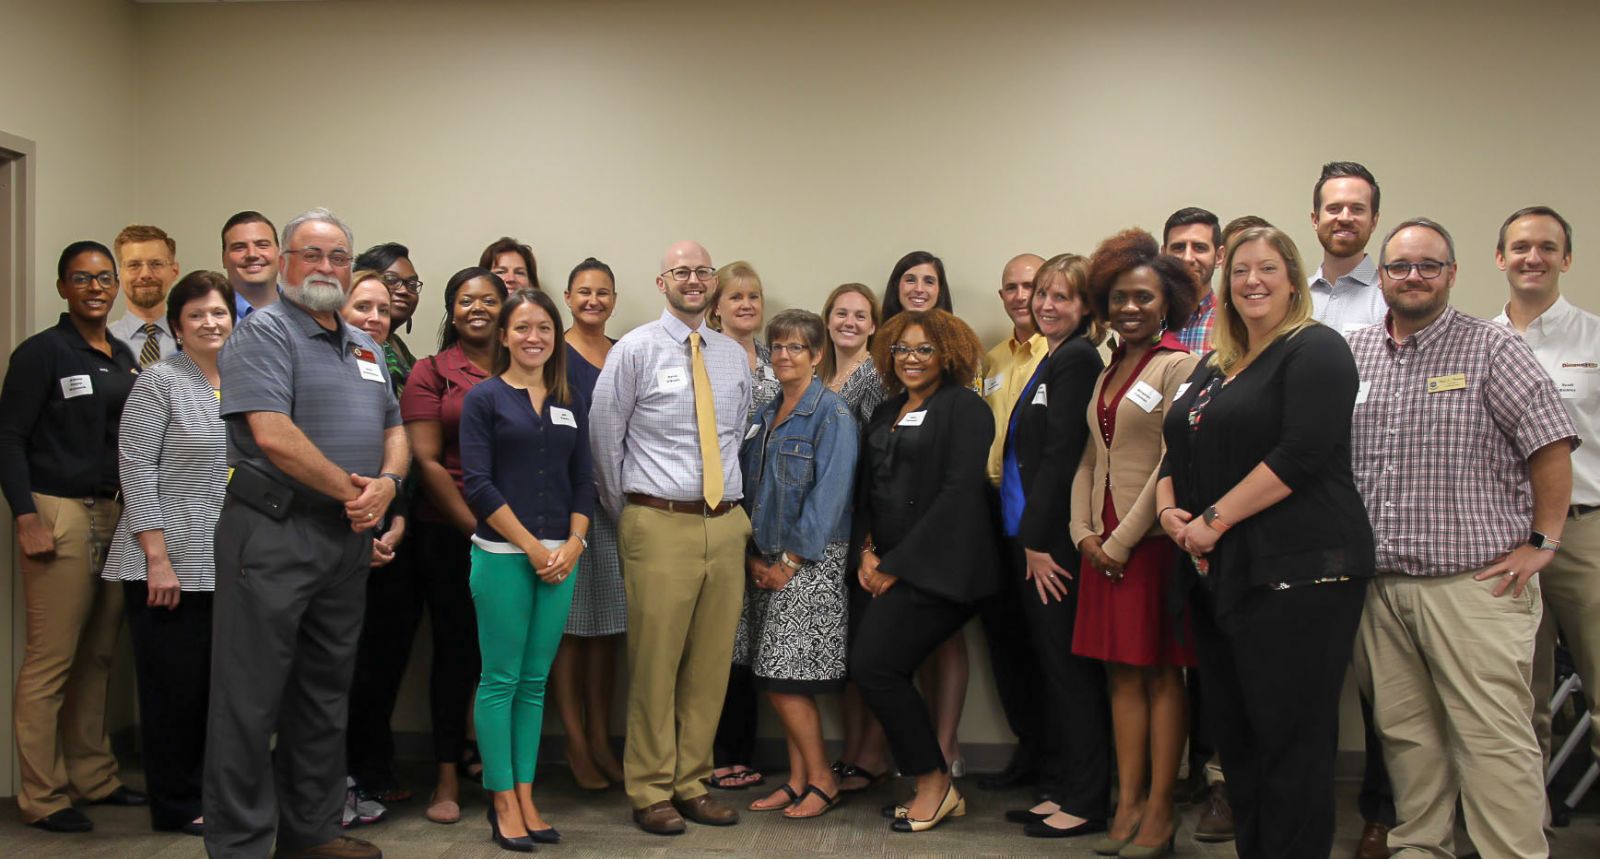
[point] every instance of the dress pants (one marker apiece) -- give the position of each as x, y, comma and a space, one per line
1571, 588
287, 617
1273, 670
73, 619
1449, 666
684, 577
1074, 755
898, 631
172, 657
394, 608
444, 570
1018, 676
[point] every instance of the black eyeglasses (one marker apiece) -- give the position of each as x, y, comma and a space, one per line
82, 279
392, 280
1428, 269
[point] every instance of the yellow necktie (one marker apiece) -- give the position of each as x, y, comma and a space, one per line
705, 419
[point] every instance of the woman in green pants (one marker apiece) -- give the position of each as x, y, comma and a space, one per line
525, 457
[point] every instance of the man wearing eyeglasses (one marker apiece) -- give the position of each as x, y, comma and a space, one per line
250, 257
1463, 455
147, 258
318, 450
665, 428
1535, 247
1345, 294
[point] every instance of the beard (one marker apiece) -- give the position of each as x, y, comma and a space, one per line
147, 295
317, 293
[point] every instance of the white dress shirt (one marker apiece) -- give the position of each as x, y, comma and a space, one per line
1566, 340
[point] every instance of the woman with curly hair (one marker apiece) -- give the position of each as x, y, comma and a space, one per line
1144, 297
925, 538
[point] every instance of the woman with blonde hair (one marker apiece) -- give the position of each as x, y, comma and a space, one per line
1257, 487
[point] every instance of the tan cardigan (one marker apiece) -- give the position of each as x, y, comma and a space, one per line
1136, 450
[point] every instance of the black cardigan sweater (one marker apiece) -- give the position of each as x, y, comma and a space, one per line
1049, 441
1291, 410
949, 549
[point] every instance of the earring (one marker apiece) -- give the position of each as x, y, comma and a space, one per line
1160, 333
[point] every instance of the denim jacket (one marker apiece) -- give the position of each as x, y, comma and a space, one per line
798, 479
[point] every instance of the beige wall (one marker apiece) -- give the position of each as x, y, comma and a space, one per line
818, 140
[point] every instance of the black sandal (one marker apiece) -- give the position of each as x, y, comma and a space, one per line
848, 771
793, 798
828, 802
721, 782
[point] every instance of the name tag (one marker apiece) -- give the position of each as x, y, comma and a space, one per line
1576, 383
562, 417
1040, 398
76, 386
671, 379
369, 371
1452, 382
766, 373
991, 385
1144, 396
1361, 392
751, 432
1350, 328
913, 419
1181, 388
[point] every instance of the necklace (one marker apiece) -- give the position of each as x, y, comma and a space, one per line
848, 372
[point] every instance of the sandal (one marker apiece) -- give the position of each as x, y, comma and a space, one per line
828, 802
793, 798
849, 771
736, 780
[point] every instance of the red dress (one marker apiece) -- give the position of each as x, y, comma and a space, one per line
1126, 621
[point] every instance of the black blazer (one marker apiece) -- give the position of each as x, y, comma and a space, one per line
950, 548
1049, 441
1291, 410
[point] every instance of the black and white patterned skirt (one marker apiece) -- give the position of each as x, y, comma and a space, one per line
795, 639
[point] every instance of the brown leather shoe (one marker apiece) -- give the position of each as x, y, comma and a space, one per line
343, 847
705, 810
1374, 842
1216, 820
659, 819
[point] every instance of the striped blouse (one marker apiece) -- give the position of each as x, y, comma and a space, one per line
172, 453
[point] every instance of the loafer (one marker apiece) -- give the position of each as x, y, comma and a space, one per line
1216, 821
1374, 843
123, 795
65, 820
659, 819
704, 810
343, 847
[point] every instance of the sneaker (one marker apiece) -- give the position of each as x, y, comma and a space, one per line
350, 816
368, 808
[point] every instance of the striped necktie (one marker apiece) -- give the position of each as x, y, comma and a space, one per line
705, 419
151, 352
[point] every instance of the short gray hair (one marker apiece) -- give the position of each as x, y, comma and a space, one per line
796, 322
1425, 223
317, 214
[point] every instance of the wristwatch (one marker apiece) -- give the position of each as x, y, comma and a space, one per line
1214, 520
784, 558
399, 482
1540, 541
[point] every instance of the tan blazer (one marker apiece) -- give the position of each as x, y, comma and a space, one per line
1133, 460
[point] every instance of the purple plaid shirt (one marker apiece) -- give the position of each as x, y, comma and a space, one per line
1444, 424
1196, 335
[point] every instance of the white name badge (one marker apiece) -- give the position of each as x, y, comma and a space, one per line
1181, 388
76, 386
1576, 384
1040, 398
991, 385
672, 379
1361, 392
751, 432
914, 419
370, 371
1145, 397
562, 417
766, 373
1350, 328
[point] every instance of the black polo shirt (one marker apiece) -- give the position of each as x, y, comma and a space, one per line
59, 413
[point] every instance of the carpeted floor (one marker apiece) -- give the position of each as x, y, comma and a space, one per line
598, 825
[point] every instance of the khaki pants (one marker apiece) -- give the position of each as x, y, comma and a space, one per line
1571, 588
684, 576
1448, 666
73, 620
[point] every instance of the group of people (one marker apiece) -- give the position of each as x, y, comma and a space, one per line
1180, 512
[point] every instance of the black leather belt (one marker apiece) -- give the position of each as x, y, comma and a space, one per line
698, 508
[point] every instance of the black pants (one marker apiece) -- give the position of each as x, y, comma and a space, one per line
1201, 746
1012, 658
444, 566
898, 631
1074, 755
1274, 669
287, 615
172, 660
394, 608
736, 730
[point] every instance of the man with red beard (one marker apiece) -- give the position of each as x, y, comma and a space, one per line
147, 258
1345, 293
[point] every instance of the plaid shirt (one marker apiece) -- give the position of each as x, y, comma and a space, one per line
1196, 335
1444, 424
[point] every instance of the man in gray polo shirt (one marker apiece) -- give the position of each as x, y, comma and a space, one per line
315, 440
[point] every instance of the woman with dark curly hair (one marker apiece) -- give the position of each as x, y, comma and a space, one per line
924, 532
1145, 297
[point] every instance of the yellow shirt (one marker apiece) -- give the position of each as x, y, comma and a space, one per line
1006, 370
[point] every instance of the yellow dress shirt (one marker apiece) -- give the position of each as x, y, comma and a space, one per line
1006, 370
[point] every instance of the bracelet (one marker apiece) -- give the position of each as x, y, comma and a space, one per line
579, 538
1163, 512
784, 558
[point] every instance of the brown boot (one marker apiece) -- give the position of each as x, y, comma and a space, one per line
343, 847
1374, 843
1216, 821
659, 819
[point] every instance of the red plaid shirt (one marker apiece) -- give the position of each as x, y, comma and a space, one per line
1444, 424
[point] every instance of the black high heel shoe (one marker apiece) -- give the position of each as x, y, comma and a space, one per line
518, 844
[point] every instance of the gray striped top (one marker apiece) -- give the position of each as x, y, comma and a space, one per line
172, 454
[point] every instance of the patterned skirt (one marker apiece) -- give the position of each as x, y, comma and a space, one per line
599, 605
794, 639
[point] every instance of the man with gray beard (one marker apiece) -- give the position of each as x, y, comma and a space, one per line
315, 441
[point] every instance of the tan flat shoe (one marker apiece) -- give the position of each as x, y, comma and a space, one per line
443, 812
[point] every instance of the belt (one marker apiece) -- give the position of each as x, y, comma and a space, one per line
105, 494
698, 508
1577, 510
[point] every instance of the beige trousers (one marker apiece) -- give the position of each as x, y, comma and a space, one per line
1448, 666
1571, 588
73, 620
684, 577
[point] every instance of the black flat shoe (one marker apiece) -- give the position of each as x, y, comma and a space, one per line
65, 820
1041, 829
519, 844
122, 796
547, 835
1024, 815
